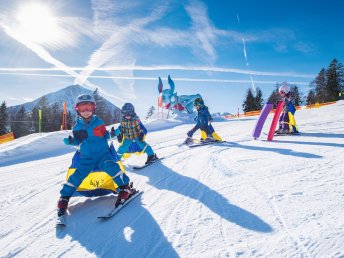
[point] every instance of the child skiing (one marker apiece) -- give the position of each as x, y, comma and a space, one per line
90, 133
203, 122
131, 133
287, 123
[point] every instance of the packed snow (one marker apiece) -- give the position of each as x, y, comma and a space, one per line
242, 198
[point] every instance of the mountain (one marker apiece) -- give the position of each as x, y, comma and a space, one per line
68, 95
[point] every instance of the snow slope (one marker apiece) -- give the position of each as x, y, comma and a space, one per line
244, 198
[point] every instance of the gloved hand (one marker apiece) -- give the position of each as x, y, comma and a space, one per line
69, 140
80, 135
141, 136
119, 138
112, 132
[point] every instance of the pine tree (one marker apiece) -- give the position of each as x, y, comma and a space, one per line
20, 125
117, 116
55, 117
258, 100
34, 119
150, 112
275, 97
3, 118
320, 86
297, 100
335, 80
311, 98
101, 108
70, 120
43, 105
249, 103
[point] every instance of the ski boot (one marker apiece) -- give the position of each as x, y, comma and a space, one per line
151, 158
62, 205
188, 141
209, 139
282, 131
125, 192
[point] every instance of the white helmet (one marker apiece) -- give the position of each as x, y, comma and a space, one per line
85, 98
284, 88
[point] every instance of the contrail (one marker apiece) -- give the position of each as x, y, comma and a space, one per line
245, 55
149, 78
160, 68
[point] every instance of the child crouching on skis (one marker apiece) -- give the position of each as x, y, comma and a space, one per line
130, 134
287, 123
203, 122
90, 133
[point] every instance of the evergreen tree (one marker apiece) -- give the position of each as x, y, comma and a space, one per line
258, 100
275, 97
117, 116
108, 117
20, 125
3, 118
70, 120
335, 80
55, 118
150, 112
249, 103
311, 98
101, 108
320, 86
34, 119
296, 95
44, 106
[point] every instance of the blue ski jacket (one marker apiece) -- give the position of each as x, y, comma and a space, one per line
203, 117
92, 137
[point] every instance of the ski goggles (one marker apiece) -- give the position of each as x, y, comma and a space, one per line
85, 107
127, 114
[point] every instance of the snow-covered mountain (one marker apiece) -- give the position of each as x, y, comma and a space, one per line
242, 198
68, 95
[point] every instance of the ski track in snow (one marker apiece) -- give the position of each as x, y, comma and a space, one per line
242, 198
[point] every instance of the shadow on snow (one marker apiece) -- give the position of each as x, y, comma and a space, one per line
162, 177
133, 232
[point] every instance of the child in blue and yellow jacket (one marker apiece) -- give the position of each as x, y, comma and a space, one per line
203, 122
130, 134
90, 134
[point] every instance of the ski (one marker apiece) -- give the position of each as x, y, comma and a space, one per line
146, 165
119, 207
285, 134
61, 220
203, 143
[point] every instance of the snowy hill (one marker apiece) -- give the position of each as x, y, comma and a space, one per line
244, 198
68, 95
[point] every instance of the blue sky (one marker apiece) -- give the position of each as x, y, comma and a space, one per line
218, 49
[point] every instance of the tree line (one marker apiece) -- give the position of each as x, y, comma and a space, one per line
24, 122
326, 87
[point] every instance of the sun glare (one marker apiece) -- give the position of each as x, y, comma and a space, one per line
37, 23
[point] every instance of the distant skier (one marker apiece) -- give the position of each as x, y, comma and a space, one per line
287, 123
90, 133
203, 122
131, 135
